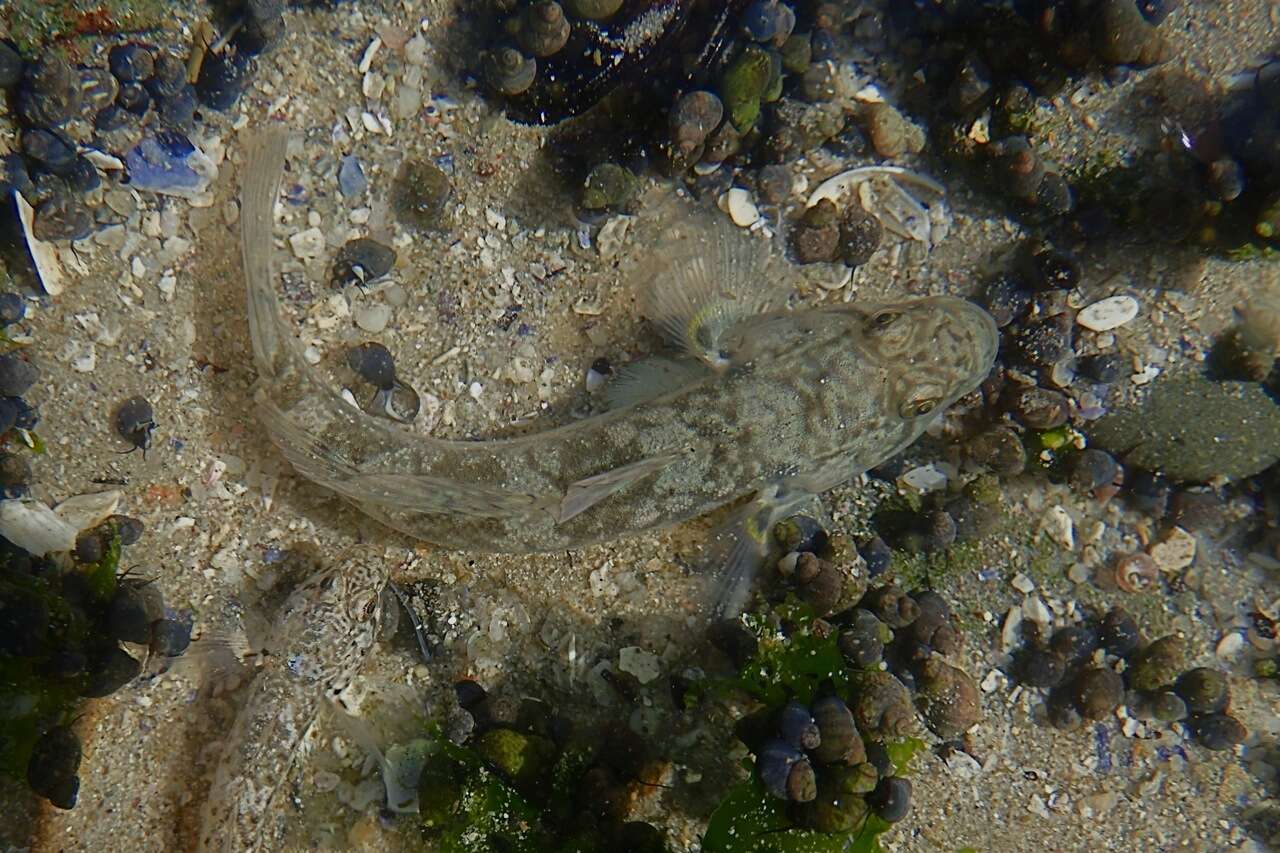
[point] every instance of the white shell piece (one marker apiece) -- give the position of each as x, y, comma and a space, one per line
35, 528
48, 267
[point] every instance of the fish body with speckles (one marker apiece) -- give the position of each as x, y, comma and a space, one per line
776, 405
779, 405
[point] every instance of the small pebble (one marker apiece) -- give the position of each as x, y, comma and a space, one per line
420, 195
1175, 551
307, 244
351, 179
373, 318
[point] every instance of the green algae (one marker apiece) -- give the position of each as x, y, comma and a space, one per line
920, 570
33, 24
516, 792
749, 820
32, 696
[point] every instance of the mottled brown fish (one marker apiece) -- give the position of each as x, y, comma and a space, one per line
317, 643
778, 405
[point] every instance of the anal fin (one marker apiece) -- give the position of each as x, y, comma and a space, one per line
589, 491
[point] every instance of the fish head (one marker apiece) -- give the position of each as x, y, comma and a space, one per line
934, 350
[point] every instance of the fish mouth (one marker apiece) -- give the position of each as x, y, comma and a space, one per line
982, 325
971, 324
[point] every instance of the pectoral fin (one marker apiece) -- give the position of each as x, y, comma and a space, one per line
588, 492
650, 378
708, 276
743, 544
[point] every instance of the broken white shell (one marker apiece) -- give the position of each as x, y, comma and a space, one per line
35, 528
89, 510
39, 530
45, 257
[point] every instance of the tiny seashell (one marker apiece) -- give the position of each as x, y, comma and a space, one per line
1036, 611
741, 209
90, 509
1107, 314
402, 403
787, 565
1229, 646
509, 71
840, 742
797, 726
786, 772
1136, 572
1059, 527
35, 528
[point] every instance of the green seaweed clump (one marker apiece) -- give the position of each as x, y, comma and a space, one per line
514, 788
750, 820
56, 647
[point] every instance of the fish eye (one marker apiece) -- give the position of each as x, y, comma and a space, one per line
916, 408
884, 319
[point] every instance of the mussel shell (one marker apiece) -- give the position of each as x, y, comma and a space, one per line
627, 48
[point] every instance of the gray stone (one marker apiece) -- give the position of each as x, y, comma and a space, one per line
1191, 428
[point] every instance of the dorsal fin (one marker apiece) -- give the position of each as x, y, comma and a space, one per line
705, 277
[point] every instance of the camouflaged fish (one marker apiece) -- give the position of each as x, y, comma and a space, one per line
772, 404
317, 643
